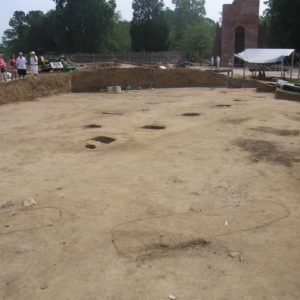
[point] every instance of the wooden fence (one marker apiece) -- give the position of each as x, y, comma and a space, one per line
149, 58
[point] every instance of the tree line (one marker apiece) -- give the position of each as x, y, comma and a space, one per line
94, 26
281, 24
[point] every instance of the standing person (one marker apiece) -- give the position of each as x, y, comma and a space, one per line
34, 63
212, 61
13, 67
218, 61
21, 65
2, 68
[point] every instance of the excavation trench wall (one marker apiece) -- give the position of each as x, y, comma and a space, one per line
34, 87
94, 81
286, 95
263, 87
98, 79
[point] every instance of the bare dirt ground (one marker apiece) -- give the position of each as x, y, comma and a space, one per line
197, 206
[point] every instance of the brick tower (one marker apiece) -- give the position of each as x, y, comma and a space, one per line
240, 25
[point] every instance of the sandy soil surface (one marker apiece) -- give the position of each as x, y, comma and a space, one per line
206, 208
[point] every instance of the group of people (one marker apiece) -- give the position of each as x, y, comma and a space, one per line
215, 61
17, 67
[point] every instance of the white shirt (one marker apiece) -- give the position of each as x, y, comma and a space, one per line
21, 63
34, 60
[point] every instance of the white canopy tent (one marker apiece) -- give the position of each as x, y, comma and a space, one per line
266, 56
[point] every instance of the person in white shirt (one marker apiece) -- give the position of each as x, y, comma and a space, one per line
218, 61
212, 61
34, 61
21, 65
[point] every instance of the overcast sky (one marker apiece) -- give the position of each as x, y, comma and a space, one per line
213, 8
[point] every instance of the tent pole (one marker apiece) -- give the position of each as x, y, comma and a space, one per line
282, 68
299, 70
232, 62
293, 58
244, 75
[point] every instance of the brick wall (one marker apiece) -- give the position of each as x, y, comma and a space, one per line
241, 13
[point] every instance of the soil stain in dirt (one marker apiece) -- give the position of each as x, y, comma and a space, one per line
158, 250
294, 118
103, 139
222, 106
112, 113
239, 100
190, 114
90, 146
265, 151
279, 132
154, 127
185, 245
237, 121
91, 126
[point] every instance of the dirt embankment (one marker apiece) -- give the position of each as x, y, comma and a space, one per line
286, 95
31, 88
239, 83
98, 79
94, 81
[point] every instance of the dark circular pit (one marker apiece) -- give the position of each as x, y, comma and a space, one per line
103, 139
90, 146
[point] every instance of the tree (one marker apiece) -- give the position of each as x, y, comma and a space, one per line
53, 39
74, 26
2, 48
190, 32
148, 29
85, 25
120, 38
187, 12
283, 23
34, 31
35, 26
198, 39
190, 7
14, 38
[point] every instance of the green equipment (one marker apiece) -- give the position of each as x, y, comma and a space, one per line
53, 62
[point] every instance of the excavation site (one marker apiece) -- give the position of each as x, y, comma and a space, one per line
186, 185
